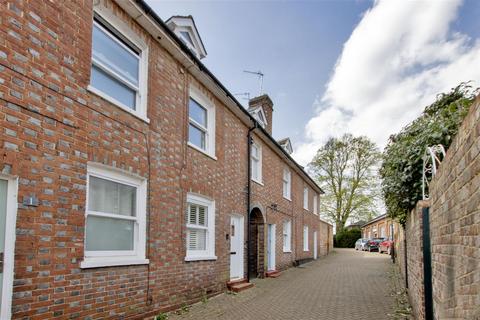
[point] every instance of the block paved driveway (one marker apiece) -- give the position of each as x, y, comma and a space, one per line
347, 284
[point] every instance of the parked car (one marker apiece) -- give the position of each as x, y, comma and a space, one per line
385, 246
373, 244
361, 244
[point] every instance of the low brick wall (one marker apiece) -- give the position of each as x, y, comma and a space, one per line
454, 228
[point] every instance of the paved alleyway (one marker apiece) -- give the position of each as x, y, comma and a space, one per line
345, 285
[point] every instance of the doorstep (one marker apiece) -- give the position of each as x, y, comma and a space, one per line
239, 285
273, 274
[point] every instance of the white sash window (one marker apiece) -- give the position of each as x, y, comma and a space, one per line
115, 218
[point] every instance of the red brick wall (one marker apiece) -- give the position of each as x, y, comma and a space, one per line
455, 225
52, 126
326, 238
454, 230
271, 192
413, 233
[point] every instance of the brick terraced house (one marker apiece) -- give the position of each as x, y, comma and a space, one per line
131, 180
380, 227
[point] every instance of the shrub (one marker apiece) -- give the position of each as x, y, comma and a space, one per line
347, 238
402, 167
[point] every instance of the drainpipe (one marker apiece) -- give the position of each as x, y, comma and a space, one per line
249, 165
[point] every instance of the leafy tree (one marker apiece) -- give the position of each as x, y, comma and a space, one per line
346, 169
402, 167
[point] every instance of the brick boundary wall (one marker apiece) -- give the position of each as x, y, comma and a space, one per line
454, 228
413, 233
455, 225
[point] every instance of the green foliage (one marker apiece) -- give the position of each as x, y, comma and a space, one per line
161, 316
346, 169
402, 167
347, 238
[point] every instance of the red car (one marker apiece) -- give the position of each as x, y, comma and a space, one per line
385, 246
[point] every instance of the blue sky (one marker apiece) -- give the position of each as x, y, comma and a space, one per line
338, 66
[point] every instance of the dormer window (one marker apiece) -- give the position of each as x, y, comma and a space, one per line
286, 145
261, 118
186, 37
185, 29
259, 115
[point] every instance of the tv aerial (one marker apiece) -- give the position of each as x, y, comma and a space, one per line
244, 95
260, 75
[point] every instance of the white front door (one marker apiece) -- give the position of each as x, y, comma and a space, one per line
315, 255
8, 212
271, 247
236, 247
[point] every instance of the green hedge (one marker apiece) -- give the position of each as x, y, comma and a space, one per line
347, 238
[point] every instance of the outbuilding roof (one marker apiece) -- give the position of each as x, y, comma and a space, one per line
383, 216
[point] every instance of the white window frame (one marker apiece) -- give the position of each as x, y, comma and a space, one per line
287, 184
136, 256
9, 245
258, 162
305, 198
191, 46
315, 204
287, 236
122, 28
209, 106
209, 253
256, 113
305, 238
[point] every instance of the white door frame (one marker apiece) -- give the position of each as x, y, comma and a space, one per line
8, 255
315, 253
239, 253
271, 230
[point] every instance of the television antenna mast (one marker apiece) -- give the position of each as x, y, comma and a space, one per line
244, 95
260, 75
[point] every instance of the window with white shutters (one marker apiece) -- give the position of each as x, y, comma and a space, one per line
200, 228
197, 227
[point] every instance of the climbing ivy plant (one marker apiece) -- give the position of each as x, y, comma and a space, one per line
402, 166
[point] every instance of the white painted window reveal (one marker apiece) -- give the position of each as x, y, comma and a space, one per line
287, 184
115, 217
200, 228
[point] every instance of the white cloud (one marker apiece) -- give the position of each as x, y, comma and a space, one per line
401, 54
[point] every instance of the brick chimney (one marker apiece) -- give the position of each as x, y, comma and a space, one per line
262, 109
